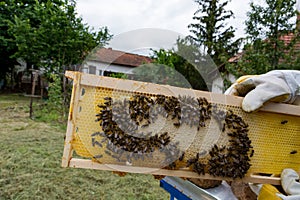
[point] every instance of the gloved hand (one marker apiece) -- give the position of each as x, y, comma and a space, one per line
290, 184
276, 86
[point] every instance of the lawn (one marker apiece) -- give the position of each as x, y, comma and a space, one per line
30, 158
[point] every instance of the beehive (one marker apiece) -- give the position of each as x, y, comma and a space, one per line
274, 133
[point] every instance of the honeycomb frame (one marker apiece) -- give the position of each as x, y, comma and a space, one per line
274, 151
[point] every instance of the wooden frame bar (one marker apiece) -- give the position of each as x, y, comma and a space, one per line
90, 80
68, 150
89, 164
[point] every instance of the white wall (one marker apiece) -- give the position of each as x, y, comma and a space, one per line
101, 67
217, 86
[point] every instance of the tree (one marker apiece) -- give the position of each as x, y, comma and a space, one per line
58, 38
48, 34
211, 32
181, 67
7, 44
266, 27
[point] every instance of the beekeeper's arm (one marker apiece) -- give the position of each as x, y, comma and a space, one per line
276, 86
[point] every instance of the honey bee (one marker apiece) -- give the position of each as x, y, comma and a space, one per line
98, 156
199, 168
176, 124
252, 152
172, 165
107, 152
191, 161
294, 152
181, 157
96, 143
97, 133
145, 125
223, 128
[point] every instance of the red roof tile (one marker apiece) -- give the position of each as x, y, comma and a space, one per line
119, 57
287, 39
236, 57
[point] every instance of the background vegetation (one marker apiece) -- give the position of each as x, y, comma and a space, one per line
30, 157
265, 49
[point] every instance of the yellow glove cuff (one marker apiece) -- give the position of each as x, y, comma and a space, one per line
243, 78
268, 192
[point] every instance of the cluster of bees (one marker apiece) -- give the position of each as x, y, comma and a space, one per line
185, 110
122, 122
233, 160
119, 132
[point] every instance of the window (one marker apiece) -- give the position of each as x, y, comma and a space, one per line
107, 73
92, 70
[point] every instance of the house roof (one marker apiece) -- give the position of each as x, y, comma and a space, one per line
110, 56
236, 57
287, 39
221, 68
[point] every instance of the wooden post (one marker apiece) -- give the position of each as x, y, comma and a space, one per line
64, 96
42, 87
35, 75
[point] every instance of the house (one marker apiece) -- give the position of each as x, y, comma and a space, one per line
217, 84
288, 39
218, 80
105, 61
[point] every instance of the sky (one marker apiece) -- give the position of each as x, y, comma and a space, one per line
126, 18
123, 16
126, 15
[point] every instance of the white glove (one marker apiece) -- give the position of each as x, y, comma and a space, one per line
290, 184
276, 86
294, 197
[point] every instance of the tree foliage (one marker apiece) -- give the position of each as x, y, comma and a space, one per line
211, 32
266, 50
7, 44
46, 34
183, 66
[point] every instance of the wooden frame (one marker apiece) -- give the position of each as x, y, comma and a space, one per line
96, 81
89, 164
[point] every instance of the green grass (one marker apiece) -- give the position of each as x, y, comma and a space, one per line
12, 100
30, 158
